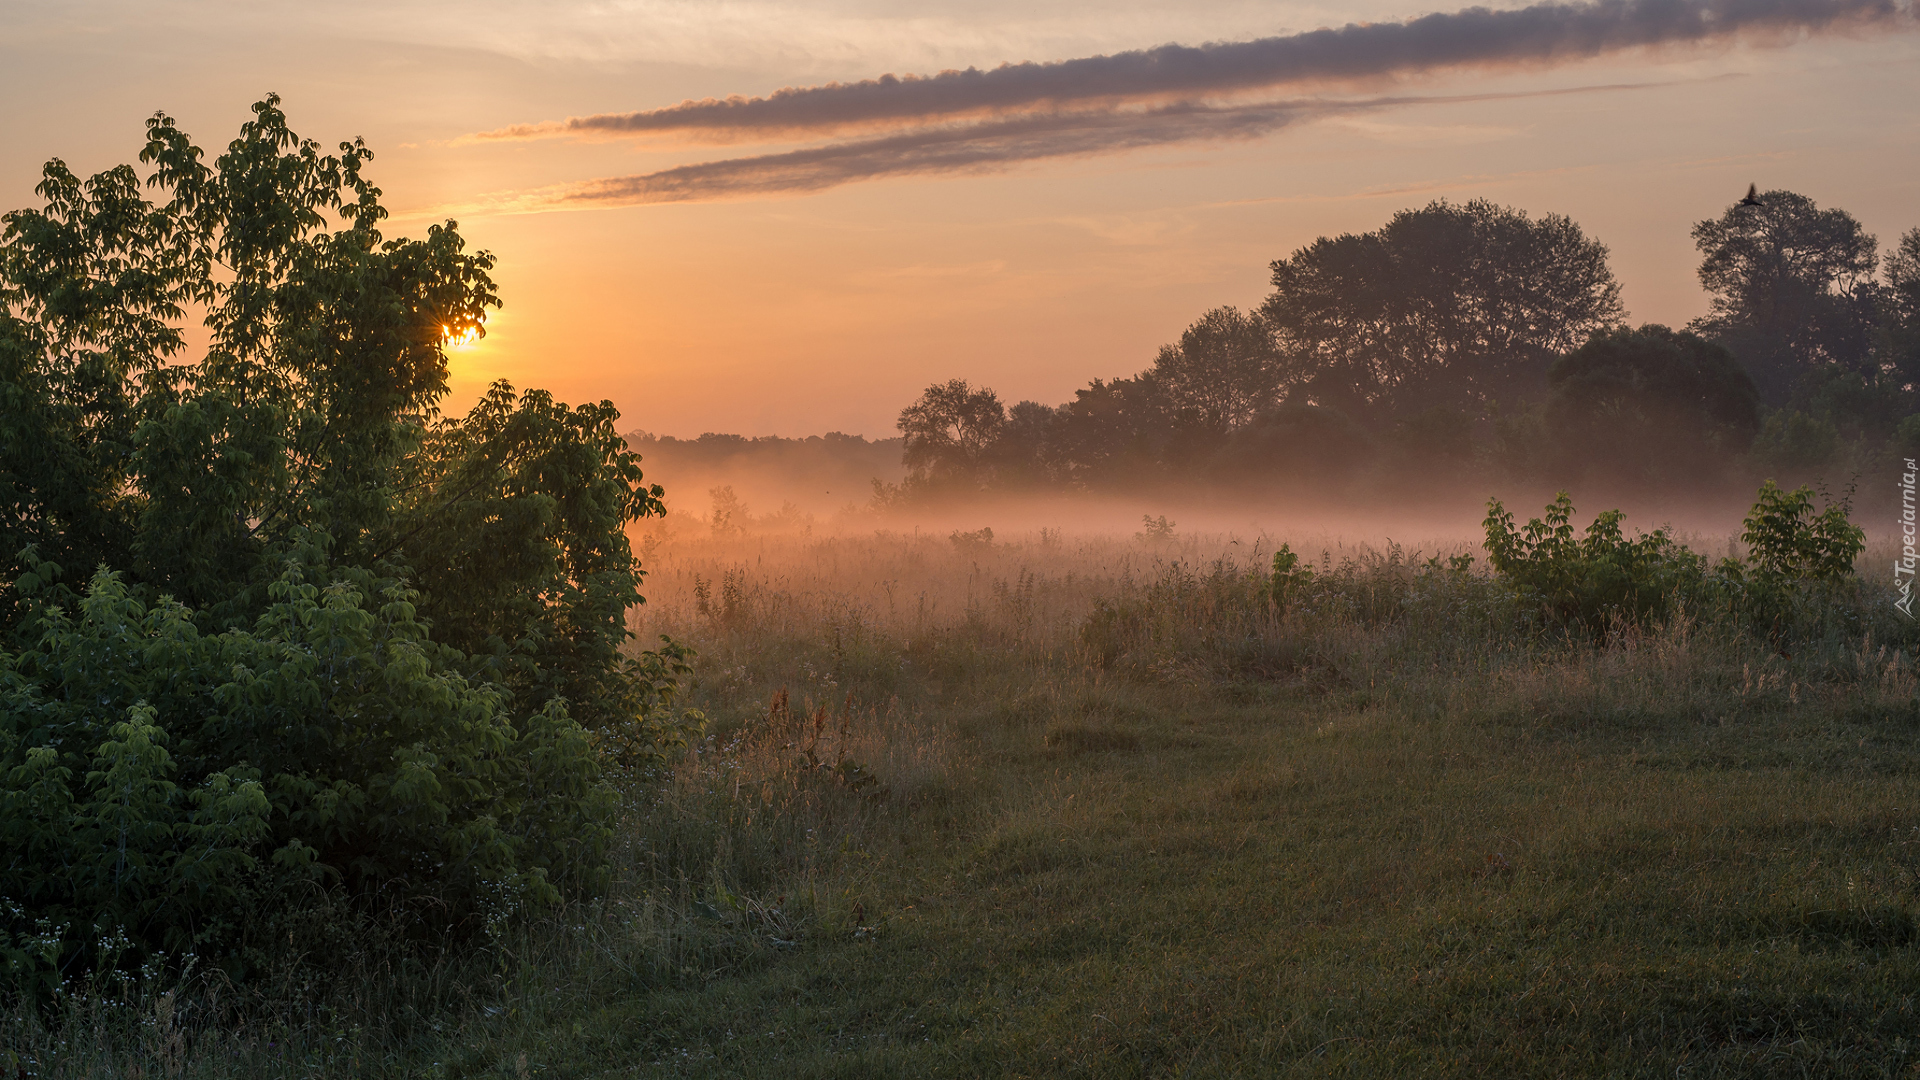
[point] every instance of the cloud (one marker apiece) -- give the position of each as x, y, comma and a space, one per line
988, 146
981, 147
1540, 34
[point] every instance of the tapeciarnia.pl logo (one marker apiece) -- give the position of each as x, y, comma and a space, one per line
1903, 566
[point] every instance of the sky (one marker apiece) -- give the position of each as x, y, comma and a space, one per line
811, 256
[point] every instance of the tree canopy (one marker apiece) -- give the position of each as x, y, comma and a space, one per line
1222, 372
1650, 406
1450, 304
1792, 288
949, 434
1467, 341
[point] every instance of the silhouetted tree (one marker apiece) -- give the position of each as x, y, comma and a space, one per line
1026, 454
1792, 286
1295, 446
1900, 311
950, 433
1223, 370
1451, 304
1435, 446
1649, 406
1112, 432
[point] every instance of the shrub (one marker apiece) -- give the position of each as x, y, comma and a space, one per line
332, 637
157, 777
1603, 576
1290, 577
1595, 577
1787, 541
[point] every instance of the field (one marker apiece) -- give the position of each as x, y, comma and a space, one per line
1056, 805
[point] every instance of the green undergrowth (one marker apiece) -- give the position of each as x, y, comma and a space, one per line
1374, 825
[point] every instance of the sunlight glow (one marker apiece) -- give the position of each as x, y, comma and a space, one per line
452, 337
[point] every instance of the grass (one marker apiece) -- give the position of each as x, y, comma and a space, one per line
1067, 807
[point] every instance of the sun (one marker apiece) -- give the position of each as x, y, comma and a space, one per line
454, 337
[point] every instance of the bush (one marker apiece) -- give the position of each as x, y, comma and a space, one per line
1603, 577
158, 778
332, 639
1787, 541
1593, 578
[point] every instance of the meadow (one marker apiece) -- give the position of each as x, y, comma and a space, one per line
1057, 805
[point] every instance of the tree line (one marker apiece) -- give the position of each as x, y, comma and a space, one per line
1472, 341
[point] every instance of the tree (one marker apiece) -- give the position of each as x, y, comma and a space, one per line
1447, 305
950, 433
1296, 446
1792, 289
268, 615
1650, 406
1900, 311
1223, 371
1113, 432
1026, 455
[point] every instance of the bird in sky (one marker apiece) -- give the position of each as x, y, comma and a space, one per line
1753, 196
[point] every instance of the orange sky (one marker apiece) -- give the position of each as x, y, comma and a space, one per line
798, 314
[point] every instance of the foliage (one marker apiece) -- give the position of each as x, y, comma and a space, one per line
1295, 446
1593, 578
1602, 578
1026, 455
1650, 407
1222, 371
1435, 443
949, 435
514, 528
1155, 530
1466, 342
157, 776
974, 540
1787, 541
1794, 443
1792, 288
729, 514
1290, 577
1113, 432
1900, 309
333, 636
1450, 304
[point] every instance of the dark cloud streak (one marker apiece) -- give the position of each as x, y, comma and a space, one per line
973, 148
983, 147
1542, 33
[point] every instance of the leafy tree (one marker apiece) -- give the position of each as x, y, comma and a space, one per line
1113, 432
332, 634
1447, 305
1027, 455
1222, 372
1796, 443
1650, 406
1434, 444
950, 433
1792, 288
